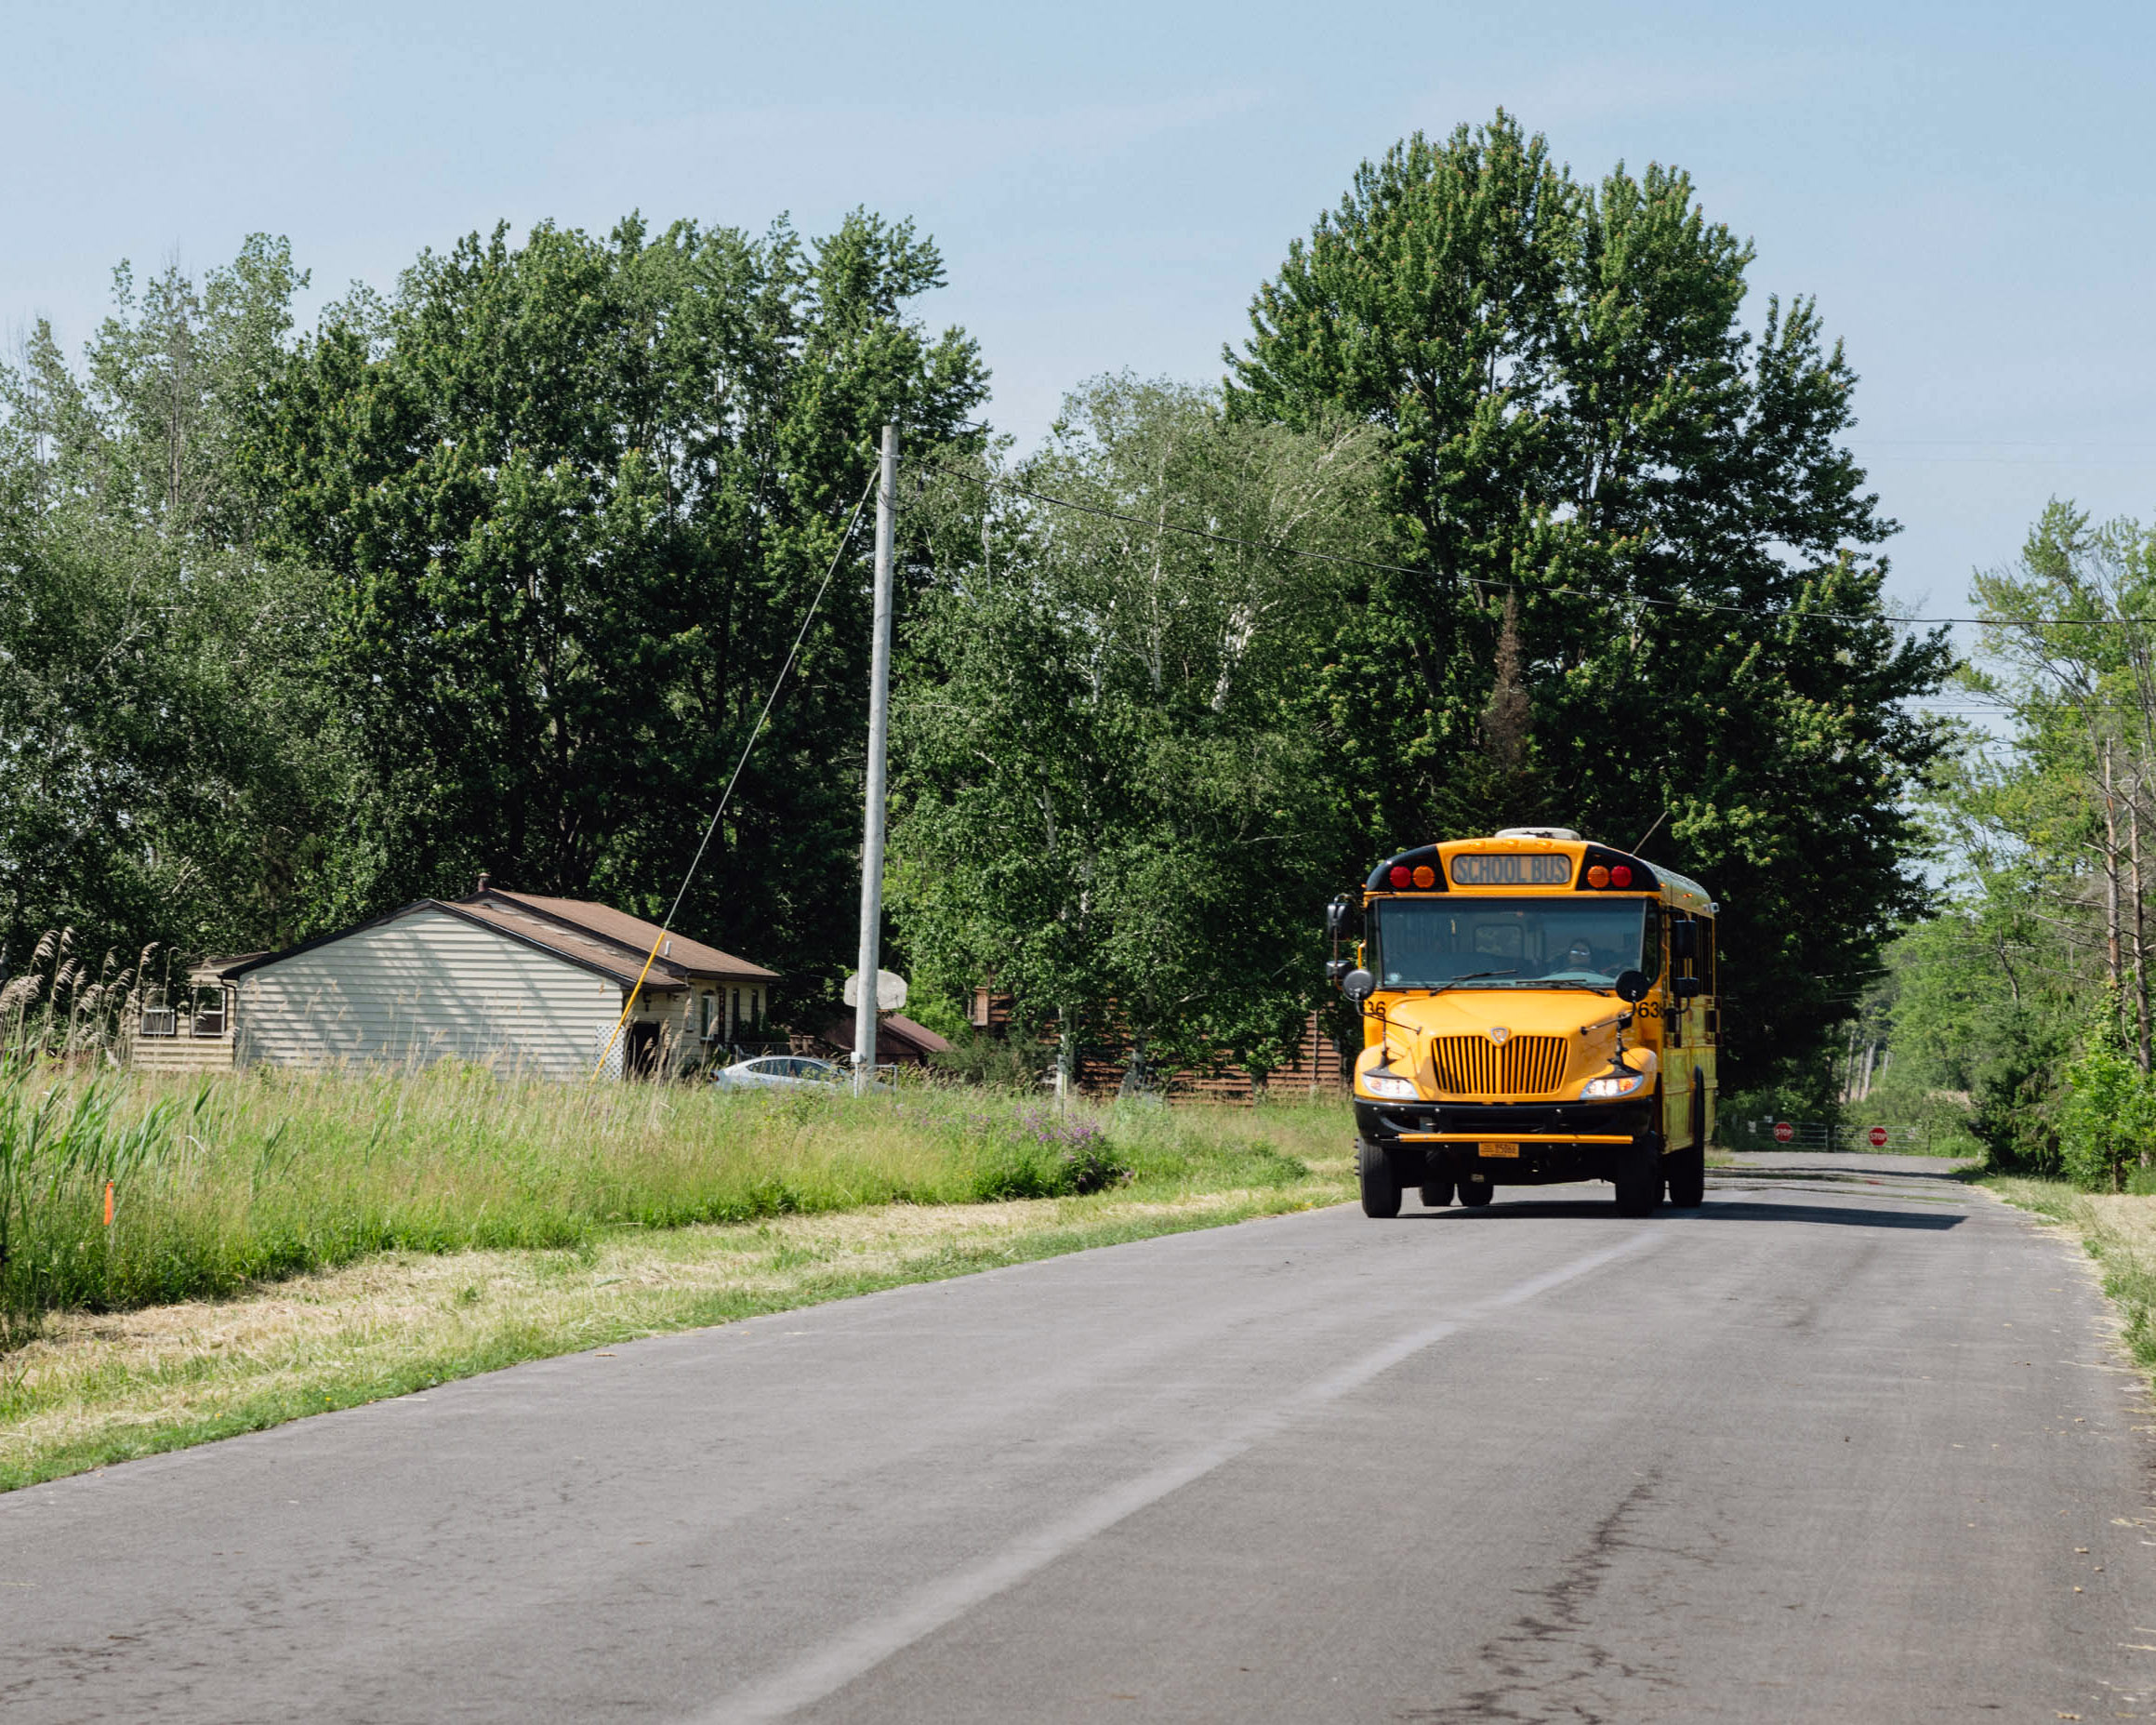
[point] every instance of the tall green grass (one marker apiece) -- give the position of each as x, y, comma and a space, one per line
223, 1182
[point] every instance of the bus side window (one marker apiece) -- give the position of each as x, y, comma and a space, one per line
1706, 969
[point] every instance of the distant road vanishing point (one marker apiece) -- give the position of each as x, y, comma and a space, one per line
1849, 1443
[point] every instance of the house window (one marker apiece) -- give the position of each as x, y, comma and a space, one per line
704, 1015
209, 1012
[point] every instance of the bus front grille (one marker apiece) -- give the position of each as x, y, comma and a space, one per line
1473, 1065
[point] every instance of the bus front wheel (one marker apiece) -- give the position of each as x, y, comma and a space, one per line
1639, 1182
1380, 1179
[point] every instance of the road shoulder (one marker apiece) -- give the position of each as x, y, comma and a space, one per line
2117, 1231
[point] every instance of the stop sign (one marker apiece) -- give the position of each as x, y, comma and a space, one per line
1878, 1138
1783, 1132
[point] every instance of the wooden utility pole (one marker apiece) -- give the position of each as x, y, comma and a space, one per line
879, 743
2140, 932
2114, 970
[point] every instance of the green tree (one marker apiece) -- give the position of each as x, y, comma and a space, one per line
165, 760
2067, 648
2013, 1008
1965, 1032
2109, 1117
1106, 802
573, 498
2045, 949
1584, 438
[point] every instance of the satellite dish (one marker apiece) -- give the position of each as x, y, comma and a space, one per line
890, 991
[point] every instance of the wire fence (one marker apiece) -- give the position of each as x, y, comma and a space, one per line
1811, 1134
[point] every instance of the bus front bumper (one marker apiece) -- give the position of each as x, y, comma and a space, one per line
1508, 1143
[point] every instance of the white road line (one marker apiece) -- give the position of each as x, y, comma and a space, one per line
867, 1644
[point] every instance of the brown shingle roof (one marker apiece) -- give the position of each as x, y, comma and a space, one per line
589, 951
570, 928
605, 956
893, 1025
599, 931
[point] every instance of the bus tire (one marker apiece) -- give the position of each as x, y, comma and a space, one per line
1687, 1168
1476, 1193
1639, 1183
1379, 1181
1437, 1194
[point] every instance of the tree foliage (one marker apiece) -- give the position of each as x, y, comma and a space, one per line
162, 764
491, 572
1504, 513
574, 498
2109, 1119
1107, 804
1585, 437
2028, 999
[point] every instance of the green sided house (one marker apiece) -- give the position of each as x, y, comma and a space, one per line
512, 980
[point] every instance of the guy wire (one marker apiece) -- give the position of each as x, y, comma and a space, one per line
756, 731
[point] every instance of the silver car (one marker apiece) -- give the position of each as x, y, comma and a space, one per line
784, 1072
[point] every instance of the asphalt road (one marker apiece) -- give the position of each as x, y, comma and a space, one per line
1830, 1448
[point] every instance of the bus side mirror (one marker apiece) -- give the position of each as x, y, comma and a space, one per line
1358, 986
1687, 988
1336, 919
1632, 987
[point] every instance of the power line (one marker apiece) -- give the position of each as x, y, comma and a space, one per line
1506, 586
1986, 442
2022, 462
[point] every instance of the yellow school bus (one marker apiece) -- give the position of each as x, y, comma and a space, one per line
1536, 1009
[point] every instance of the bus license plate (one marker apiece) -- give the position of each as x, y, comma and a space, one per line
1489, 1148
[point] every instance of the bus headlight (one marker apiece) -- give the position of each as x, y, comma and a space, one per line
1612, 1084
1395, 1089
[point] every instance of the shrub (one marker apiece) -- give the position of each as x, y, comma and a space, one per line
1011, 1062
1039, 1153
2110, 1116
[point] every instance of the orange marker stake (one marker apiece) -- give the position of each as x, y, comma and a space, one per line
108, 1204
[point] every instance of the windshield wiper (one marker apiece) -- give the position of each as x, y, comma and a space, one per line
1473, 975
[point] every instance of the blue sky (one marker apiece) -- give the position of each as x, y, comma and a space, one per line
1965, 188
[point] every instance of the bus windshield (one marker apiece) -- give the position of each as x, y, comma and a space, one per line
1425, 943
